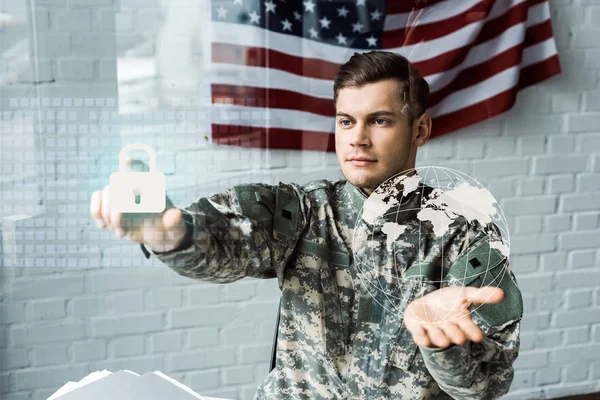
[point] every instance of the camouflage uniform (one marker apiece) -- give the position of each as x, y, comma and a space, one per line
336, 340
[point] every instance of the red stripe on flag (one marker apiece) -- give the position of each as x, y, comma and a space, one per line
492, 66
261, 57
271, 98
272, 138
495, 105
453, 58
437, 29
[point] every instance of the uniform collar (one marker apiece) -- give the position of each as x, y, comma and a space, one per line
357, 196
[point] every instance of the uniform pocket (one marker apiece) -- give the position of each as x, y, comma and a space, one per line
335, 328
403, 348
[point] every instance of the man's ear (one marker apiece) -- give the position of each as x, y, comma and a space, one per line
422, 129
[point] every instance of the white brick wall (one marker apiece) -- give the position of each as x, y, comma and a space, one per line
75, 299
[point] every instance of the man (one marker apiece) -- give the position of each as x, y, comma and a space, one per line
334, 340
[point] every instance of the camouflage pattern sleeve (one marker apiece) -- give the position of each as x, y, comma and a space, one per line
233, 239
476, 370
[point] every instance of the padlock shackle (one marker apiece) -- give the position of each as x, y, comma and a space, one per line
137, 146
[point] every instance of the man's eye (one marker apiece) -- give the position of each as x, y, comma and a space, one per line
343, 122
381, 121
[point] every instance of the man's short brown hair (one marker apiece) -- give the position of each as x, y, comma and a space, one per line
377, 66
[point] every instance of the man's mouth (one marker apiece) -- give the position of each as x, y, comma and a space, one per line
360, 161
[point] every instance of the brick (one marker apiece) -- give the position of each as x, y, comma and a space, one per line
50, 355
529, 206
577, 335
579, 240
538, 283
76, 69
524, 264
13, 359
204, 337
94, 44
595, 367
579, 279
12, 312
586, 221
576, 372
133, 324
166, 342
34, 378
86, 307
532, 359
527, 343
582, 258
125, 302
72, 20
201, 359
523, 379
201, 380
529, 224
115, 281
239, 291
565, 319
580, 202
533, 244
566, 102
90, 350
48, 309
47, 287
534, 322
548, 375
128, 346
502, 188
558, 223
522, 125
205, 294
584, 36
532, 186
500, 147
548, 339
47, 332
588, 122
53, 45
202, 316
232, 335
531, 144
237, 375
507, 167
550, 301
255, 353
555, 164
164, 298
561, 184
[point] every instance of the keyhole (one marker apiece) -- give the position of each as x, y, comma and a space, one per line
138, 195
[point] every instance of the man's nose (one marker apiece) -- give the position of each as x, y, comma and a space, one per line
360, 135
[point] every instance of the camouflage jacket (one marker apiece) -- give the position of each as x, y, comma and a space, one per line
336, 338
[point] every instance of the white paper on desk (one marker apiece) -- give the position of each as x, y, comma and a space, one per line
70, 386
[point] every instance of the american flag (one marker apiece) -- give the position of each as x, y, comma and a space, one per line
274, 61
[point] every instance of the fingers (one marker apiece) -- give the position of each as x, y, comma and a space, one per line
484, 295
105, 209
453, 333
96, 209
437, 336
470, 329
171, 217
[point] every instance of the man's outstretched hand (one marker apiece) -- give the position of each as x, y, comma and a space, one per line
160, 231
443, 317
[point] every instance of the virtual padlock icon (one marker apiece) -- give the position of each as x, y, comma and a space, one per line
137, 192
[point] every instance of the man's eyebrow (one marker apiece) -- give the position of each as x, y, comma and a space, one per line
373, 114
